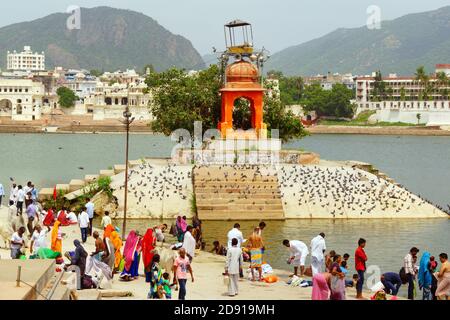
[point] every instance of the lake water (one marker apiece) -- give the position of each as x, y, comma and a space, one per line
422, 164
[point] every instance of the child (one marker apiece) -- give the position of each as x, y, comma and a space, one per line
106, 220
219, 249
355, 279
346, 256
166, 286
343, 266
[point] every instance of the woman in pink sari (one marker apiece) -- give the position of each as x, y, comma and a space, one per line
321, 286
181, 228
337, 280
132, 255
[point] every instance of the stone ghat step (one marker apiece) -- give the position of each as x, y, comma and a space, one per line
252, 201
240, 207
237, 182
229, 188
275, 195
266, 191
257, 173
233, 167
240, 215
252, 174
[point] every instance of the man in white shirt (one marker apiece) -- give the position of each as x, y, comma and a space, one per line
83, 220
72, 217
106, 220
235, 233
17, 242
232, 267
90, 211
20, 199
189, 243
318, 248
38, 240
299, 252
13, 193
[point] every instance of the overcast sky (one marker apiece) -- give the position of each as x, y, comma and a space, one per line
277, 23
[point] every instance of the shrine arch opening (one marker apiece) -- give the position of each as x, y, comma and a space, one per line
243, 113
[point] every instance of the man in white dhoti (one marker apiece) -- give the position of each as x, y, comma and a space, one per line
299, 251
318, 248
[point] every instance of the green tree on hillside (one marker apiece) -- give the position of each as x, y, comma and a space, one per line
424, 80
67, 97
96, 73
291, 88
339, 102
315, 99
443, 82
276, 116
148, 68
402, 94
180, 100
379, 88
334, 103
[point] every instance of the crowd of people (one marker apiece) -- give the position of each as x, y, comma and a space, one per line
31, 225
330, 271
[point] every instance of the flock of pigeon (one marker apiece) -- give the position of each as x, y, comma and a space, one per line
154, 184
334, 191
343, 190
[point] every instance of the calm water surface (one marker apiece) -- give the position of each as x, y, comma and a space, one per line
420, 163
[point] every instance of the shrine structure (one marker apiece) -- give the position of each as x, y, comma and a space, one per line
242, 80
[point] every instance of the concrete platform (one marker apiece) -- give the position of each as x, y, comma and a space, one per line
89, 178
107, 173
76, 184
133, 163
118, 168
46, 193
63, 187
36, 273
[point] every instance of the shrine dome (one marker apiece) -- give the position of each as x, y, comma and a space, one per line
242, 71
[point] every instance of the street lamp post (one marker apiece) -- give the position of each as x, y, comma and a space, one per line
128, 120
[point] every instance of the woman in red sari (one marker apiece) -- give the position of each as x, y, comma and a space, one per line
62, 217
49, 219
148, 245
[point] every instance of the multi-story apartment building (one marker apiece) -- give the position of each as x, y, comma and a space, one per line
406, 99
26, 60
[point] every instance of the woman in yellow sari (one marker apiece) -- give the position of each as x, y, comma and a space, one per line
117, 243
56, 238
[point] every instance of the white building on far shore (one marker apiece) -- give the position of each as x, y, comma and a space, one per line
26, 60
407, 99
21, 99
110, 100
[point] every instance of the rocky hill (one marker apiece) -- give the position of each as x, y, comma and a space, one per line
109, 39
